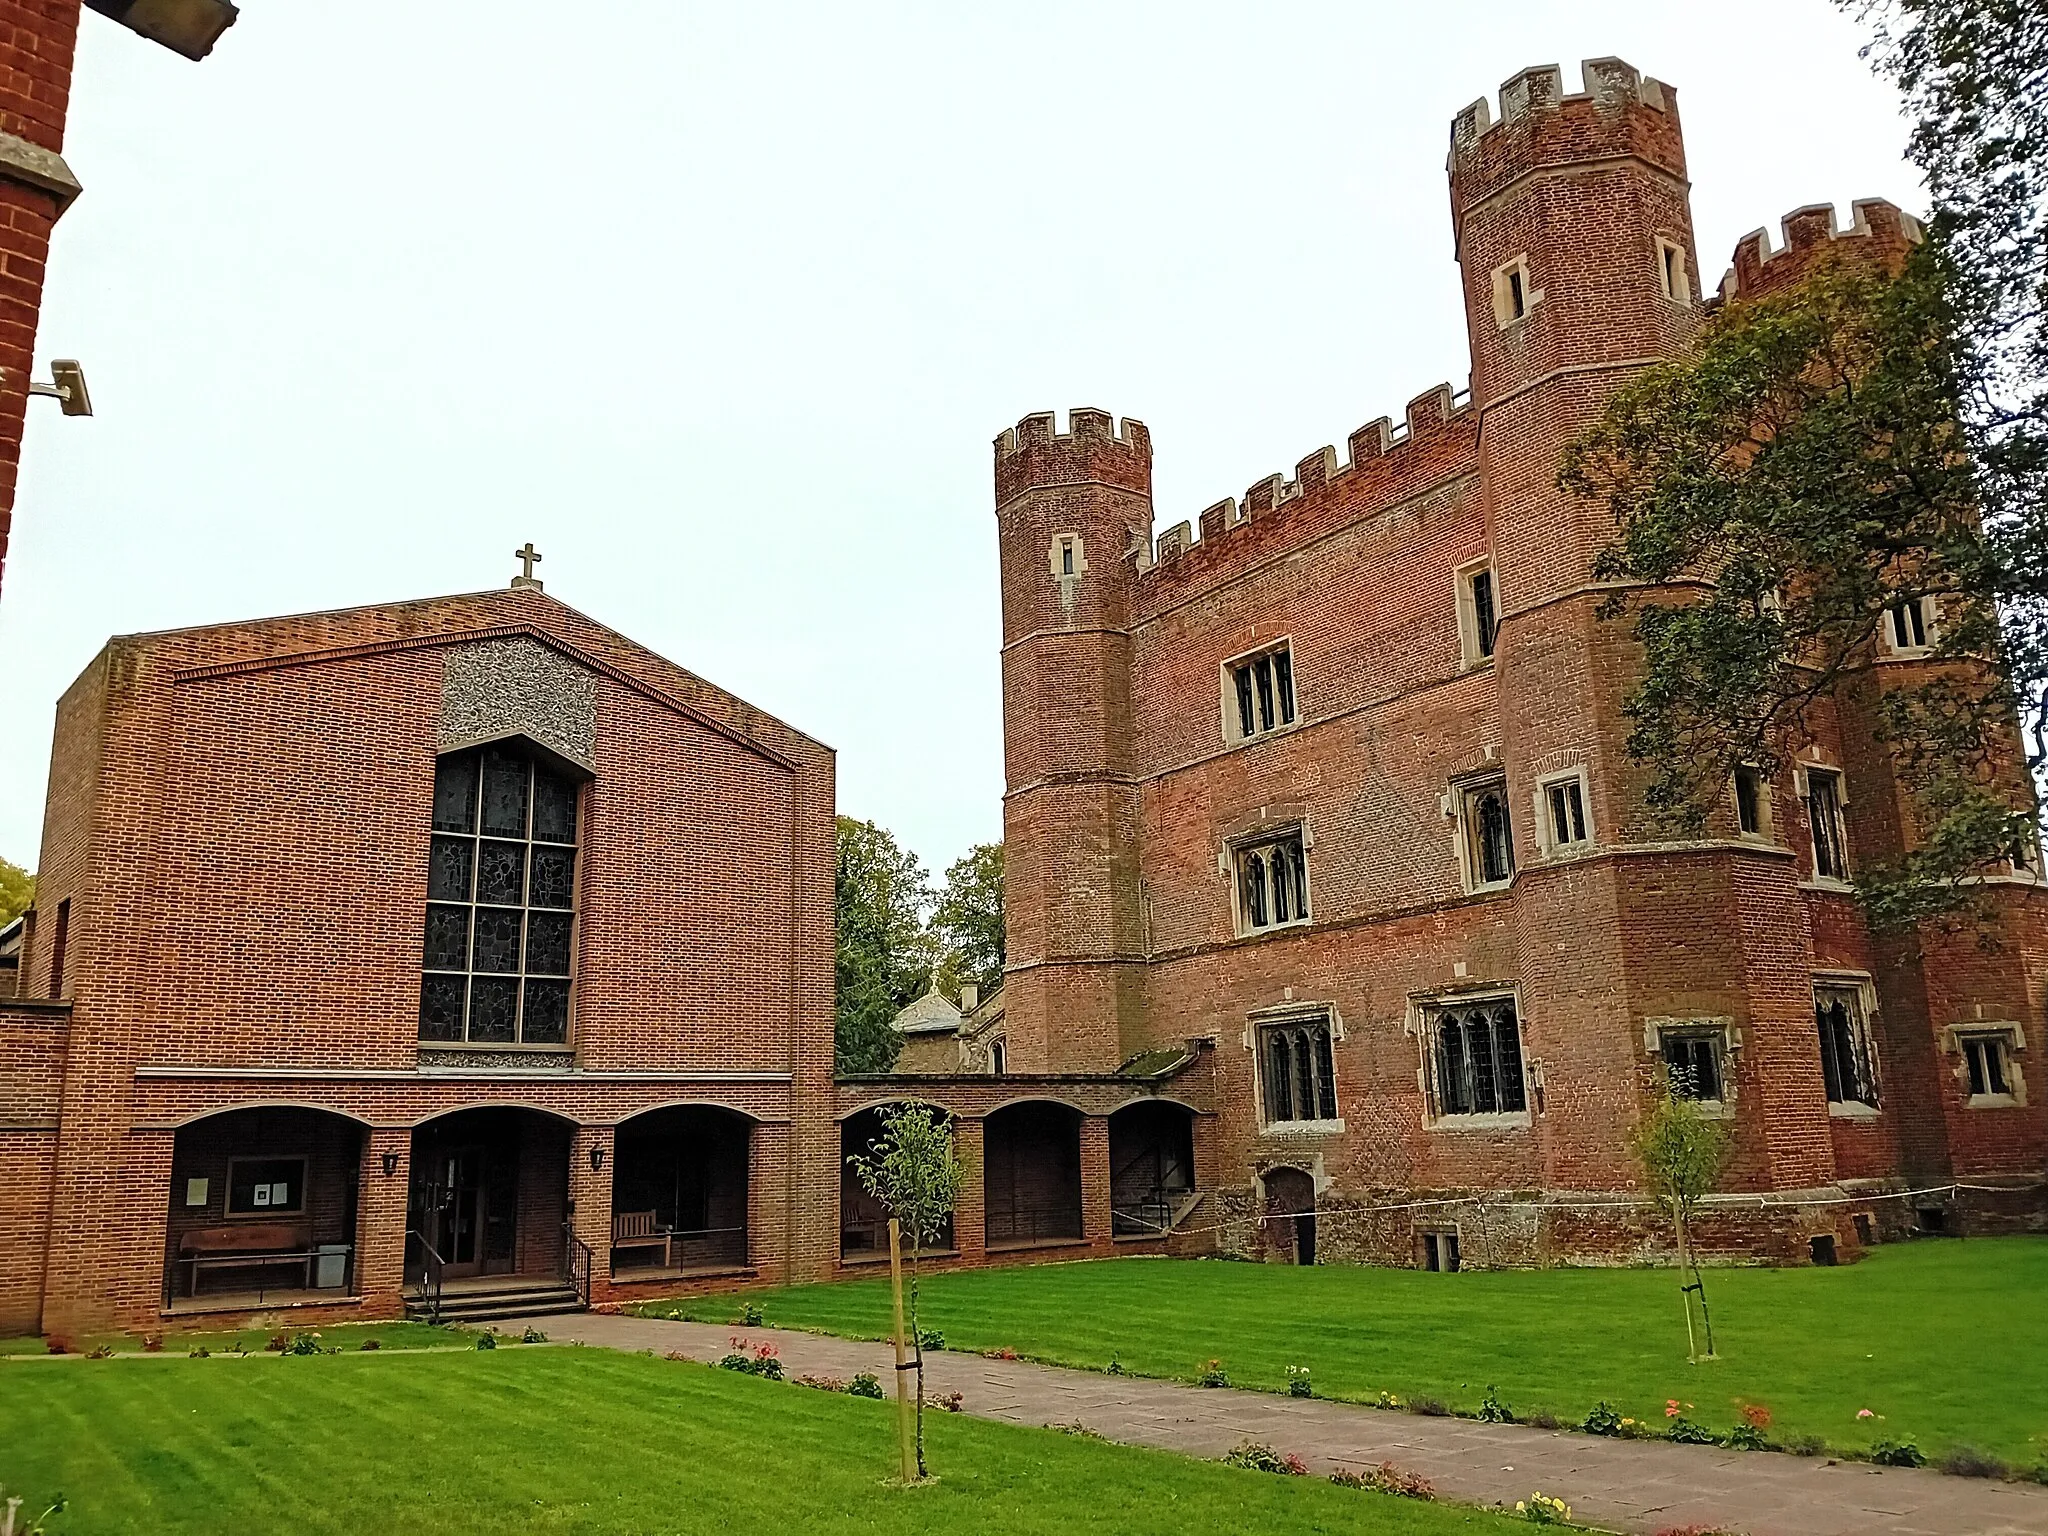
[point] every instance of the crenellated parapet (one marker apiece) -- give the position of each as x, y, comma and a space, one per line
1879, 231
1093, 449
1618, 112
1386, 462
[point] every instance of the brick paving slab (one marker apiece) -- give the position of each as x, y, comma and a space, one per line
1621, 1485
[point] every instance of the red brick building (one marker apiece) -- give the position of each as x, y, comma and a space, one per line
1340, 787
401, 947
37, 38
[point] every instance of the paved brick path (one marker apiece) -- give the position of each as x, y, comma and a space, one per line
1620, 1485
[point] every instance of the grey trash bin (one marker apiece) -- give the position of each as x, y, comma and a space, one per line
330, 1268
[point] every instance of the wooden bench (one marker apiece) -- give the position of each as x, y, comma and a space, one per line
636, 1229
250, 1245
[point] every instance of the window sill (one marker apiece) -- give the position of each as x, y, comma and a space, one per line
1290, 926
1491, 888
1713, 1109
1482, 664
1852, 1111
1233, 742
1519, 1120
863, 1260
1021, 1245
1828, 883
1304, 1127
1994, 1101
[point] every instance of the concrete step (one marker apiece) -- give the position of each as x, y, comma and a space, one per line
498, 1305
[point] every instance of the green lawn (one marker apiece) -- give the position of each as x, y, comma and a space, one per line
564, 1440
1944, 1342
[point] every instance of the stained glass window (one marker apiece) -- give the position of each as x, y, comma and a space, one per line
501, 897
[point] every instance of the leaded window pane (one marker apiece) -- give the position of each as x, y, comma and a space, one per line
455, 793
448, 940
497, 975
547, 1012
1247, 721
1279, 1085
1326, 1076
497, 939
499, 867
554, 878
493, 1009
448, 869
1507, 1044
441, 1007
547, 944
1283, 684
554, 808
506, 779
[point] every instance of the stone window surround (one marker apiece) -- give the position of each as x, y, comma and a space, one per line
1472, 657
1673, 279
1766, 832
2014, 1037
1888, 647
1288, 1012
1233, 735
1456, 803
1865, 988
1800, 788
1226, 867
1056, 556
1418, 1023
1727, 1038
1503, 291
1545, 842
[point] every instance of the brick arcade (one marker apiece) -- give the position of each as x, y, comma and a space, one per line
464, 944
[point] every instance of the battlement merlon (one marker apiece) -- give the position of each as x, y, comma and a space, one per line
1882, 230
1094, 448
1619, 112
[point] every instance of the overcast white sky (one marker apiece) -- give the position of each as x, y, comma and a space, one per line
722, 305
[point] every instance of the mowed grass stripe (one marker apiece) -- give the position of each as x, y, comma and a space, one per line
1945, 1342
587, 1441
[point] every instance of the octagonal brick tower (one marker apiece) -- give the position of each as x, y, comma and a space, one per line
1074, 521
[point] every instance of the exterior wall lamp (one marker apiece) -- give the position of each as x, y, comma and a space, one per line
390, 1164
189, 27
597, 1157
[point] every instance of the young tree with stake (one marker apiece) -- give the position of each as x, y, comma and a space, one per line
1681, 1152
915, 1172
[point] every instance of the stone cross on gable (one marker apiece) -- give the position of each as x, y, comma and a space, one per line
528, 557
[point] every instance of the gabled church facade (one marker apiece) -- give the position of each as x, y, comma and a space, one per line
458, 949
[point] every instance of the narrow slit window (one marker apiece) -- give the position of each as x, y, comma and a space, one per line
1518, 296
1484, 621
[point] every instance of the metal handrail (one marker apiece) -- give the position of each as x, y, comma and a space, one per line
577, 1261
431, 1273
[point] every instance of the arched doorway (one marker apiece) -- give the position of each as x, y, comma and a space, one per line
1290, 1225
1031, 1174
863, 1223
262, 1209
489, 1195
679, 1192
1151, 1166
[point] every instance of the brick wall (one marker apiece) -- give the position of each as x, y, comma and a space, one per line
36, 41
239, 816
1113, 689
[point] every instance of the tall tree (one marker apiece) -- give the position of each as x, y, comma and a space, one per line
17, 891
968, 920
1860, 444
883, 954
